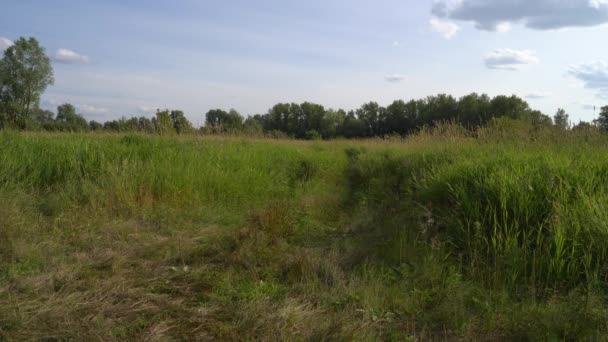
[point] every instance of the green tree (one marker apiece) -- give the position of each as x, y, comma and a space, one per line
95, 126
25, 73
561, 119
602, 120
253, 127
353, 127
370, 114
582, 125
180, 123
333, 120
510, 106
68, 120
163, 123
43, 116
145, 125
398, 118
437, 108
473, 110
219, 121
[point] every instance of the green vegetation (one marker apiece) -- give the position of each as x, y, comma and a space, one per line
25, 73
495, 234
491, 227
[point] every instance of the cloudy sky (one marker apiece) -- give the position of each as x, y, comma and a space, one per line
130, 57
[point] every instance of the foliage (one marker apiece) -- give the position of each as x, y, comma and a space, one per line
441, 236
561, 119
163, 123
219, 121
25, 72
95, 126
68, 120
602, 120
180, 123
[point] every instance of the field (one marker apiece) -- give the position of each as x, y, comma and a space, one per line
440, 236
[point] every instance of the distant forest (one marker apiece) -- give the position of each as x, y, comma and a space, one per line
313, 121
26, 72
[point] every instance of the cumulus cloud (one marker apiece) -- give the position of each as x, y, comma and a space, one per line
71, 57
492, 15
394, 78
444, 27
89, 109
509, 59
147, 109
593, 75
537, 95
5, 43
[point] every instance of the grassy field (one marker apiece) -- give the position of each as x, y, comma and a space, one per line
438, 237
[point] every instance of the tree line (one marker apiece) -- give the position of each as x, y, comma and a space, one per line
26, 72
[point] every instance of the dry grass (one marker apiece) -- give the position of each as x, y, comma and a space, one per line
112, 237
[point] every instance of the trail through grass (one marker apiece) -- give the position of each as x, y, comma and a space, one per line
122, 237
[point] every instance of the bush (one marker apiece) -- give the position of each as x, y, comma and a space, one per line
312, 135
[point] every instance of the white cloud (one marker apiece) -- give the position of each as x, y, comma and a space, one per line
5, 43
509, 59
503, 27
89, 109
597, 3
446, 28
537, 95
593, 75
147, 109
394, 78
535, 14
71, 57
396, 43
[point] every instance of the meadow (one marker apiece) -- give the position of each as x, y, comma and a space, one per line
444, 235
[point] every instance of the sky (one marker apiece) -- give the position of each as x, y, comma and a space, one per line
115, 58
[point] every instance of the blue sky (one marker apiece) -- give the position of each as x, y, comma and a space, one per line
115, 58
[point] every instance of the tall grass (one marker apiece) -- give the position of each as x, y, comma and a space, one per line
447, 234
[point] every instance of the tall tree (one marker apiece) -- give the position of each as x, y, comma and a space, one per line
218, 120
370, 114
180, 123
25, 73
68, 120
561, 119
163, 123
602, 120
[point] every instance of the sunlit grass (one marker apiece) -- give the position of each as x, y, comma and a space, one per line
442, 235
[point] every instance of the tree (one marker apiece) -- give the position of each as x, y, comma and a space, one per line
436, 109
163, 123
561, 119
582, 125
145, 125
66, 112
180, 123
332, 123
510, 106
370, 114
95, 126
398, 118
68, 120
473, 110
25, 73
602, 120
251, 126
353, 127
218, 120
43, 116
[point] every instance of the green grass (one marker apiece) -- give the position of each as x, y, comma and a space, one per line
440, 237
